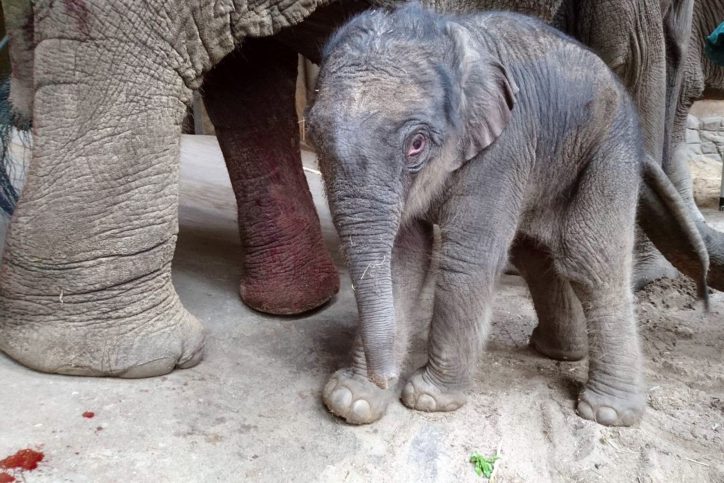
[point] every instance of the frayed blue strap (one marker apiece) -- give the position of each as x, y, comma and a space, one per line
714, 47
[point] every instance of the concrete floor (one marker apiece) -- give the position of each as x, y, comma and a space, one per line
251, 411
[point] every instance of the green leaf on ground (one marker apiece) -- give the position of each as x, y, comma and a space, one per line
483, 465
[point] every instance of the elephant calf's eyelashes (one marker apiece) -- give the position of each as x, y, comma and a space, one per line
416, 149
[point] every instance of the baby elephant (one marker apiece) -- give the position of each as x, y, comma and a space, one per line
516, 141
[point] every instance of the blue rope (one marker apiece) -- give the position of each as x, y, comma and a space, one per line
714, 47
8, 193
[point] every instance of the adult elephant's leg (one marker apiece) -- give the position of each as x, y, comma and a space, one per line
250, 99
698, 72
629, 36
85, 285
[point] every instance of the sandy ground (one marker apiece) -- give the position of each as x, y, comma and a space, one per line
252, 410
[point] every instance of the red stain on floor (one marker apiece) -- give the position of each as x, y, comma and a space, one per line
89, 414
24, 460
6, 478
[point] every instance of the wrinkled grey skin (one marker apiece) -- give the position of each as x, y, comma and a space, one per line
87, 273
531, 146
86, 279
655, 47
701, 78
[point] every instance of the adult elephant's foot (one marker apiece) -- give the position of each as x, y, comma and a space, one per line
136, 329
650, 265
288, 270
250, 99
610, 408
355, 398
422, 394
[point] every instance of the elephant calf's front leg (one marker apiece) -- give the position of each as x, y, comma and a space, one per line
250, 99
349, 393
472, 258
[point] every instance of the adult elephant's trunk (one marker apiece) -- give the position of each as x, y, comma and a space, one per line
367, 237
714, 241
667, 222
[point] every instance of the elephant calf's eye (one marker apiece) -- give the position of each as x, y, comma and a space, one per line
415, 148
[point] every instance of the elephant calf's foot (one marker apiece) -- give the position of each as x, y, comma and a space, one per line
355, 398
560, 348
422, 394
624, 409
63, 337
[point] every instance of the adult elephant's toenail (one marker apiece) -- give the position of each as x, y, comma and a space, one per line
193, 360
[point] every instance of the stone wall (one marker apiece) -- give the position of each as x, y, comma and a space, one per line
705, 137
705, 150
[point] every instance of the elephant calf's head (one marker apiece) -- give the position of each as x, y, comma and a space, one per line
402, 100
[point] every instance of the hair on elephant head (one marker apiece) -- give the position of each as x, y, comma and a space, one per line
450, 101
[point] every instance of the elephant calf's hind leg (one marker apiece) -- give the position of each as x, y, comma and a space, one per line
561, 330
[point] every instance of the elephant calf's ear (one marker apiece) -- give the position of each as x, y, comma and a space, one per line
485, 93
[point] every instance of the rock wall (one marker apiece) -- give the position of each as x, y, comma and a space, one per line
705, 150
705, 137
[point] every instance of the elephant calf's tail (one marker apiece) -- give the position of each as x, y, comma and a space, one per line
666, 221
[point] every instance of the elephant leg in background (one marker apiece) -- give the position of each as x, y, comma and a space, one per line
629, 37
700, 79
349, 393
86, 278
249, 96
561, 330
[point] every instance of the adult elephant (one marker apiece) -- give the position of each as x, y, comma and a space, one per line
701, 79
286, 268
86, 281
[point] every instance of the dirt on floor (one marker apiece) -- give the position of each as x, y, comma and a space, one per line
523, 405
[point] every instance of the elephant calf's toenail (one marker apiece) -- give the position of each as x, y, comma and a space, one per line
426, 403
408, 393
607, 416
329, 387
361, 411
628, 418
585, 410
341, 398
